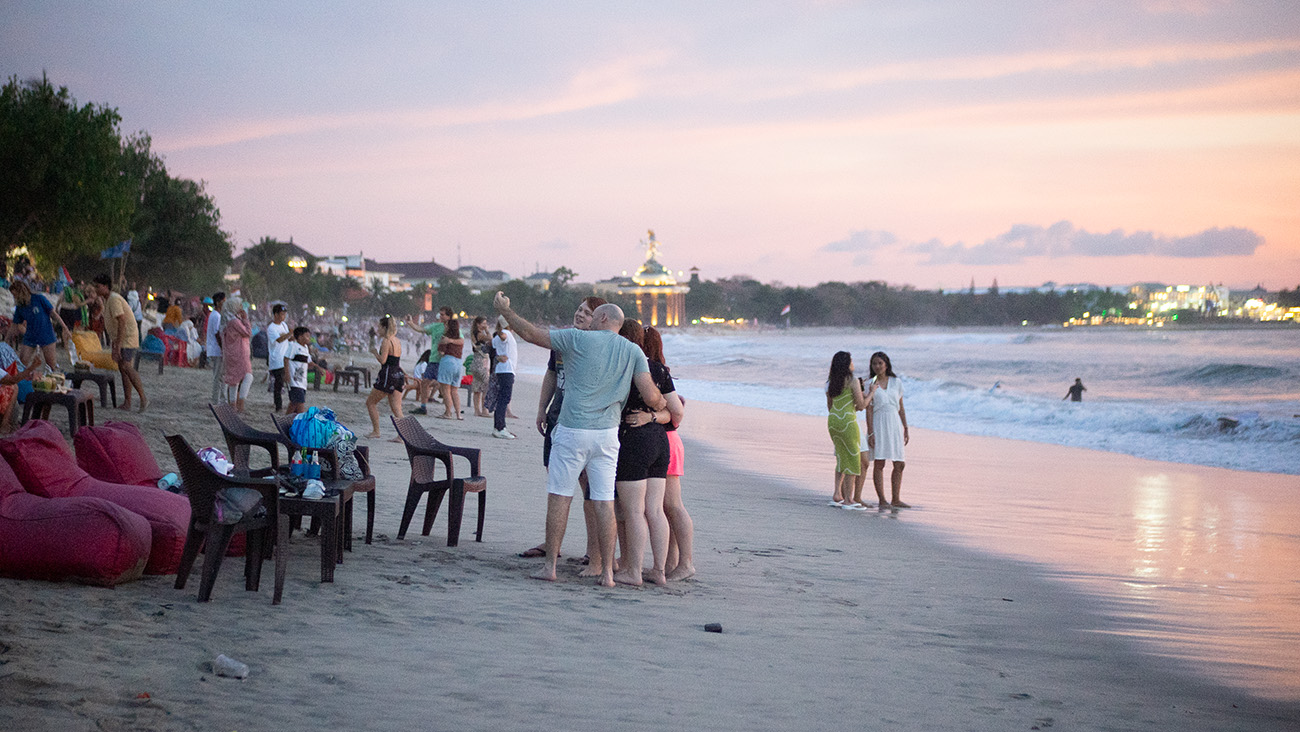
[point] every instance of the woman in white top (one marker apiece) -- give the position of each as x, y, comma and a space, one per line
886, 429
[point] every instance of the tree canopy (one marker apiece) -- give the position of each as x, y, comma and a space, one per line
64, 189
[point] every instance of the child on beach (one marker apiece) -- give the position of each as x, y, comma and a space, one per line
297, 360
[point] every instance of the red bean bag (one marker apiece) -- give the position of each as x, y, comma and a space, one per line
45, 467
116, 452
80, 539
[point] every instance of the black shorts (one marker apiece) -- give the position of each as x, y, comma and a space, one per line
297, 396
642, 452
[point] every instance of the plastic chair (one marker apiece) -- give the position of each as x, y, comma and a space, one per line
174, 351
329, 464
425, 453
240, 437
202, 484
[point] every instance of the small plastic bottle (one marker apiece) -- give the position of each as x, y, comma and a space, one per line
295, 466
227, 666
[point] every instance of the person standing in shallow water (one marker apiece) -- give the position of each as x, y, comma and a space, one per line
886, 429
1075, 393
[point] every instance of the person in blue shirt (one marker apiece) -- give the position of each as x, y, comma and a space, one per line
34, 316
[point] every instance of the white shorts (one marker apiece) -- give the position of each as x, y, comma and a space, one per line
573, 451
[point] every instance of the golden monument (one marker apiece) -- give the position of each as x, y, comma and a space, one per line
646, 286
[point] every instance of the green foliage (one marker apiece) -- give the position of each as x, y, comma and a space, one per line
1289, 298
267, 276
876, 304
65, 186
175, 221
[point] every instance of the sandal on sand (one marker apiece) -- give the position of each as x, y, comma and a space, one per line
536, 551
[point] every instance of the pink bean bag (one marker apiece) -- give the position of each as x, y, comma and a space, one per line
45, 467
80, 539
115, 452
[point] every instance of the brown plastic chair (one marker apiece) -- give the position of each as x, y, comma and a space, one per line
329, 461
425, 453
240, 437
202, 484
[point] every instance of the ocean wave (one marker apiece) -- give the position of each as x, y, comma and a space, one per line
1263, 438
1233, 373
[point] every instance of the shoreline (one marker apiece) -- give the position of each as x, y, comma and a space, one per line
828, 623
1185, 560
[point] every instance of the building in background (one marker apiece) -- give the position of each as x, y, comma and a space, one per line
652, 282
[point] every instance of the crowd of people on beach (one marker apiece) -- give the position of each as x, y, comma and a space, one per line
608, 412
879, 438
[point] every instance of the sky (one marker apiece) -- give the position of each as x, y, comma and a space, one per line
929, 144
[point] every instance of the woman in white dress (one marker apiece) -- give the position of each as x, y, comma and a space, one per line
886, 429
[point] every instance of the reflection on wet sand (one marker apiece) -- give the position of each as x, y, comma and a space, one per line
1193, 563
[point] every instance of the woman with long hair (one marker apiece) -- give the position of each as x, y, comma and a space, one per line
844, 398
640, 479
480, 340
451, 369
390, 380
680, 562
886, 429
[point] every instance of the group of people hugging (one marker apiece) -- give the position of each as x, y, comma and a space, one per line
608, 414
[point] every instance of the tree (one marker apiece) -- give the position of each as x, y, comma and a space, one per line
64, 189
175, 221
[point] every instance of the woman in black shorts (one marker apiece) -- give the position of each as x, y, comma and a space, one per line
641, 476
390, 382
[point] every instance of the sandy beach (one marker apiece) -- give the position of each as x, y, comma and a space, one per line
831, 619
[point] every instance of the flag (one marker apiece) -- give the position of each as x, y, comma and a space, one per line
116, 252
785, 310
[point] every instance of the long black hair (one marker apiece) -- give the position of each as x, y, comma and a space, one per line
839, 373
889, 367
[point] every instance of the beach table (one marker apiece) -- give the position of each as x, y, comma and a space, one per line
360, 370
346, 375
107, 383
80, 404
335, 513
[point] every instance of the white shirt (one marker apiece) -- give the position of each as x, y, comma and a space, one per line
276, 350
299, 357
506, 345
214, 326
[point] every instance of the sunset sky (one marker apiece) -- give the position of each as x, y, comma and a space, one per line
920, 143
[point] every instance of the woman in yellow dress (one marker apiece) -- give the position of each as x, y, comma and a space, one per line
844, 399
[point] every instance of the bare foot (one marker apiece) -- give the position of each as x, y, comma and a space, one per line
373, 435
882, 505
394, 439
606, 581
547, 572
628, 577
656, 576
899, 504
144, 403
681, 572
589, 571
445, 416
124, 406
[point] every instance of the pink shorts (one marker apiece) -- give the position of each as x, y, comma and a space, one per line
676, 454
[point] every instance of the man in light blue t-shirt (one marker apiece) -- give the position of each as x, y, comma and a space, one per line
600, 368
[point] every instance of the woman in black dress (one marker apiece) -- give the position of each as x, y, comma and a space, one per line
390, 382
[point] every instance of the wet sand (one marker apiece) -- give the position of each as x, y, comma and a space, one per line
831, 619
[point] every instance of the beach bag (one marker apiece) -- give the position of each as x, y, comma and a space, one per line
314, 428
234, 502
344, 444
